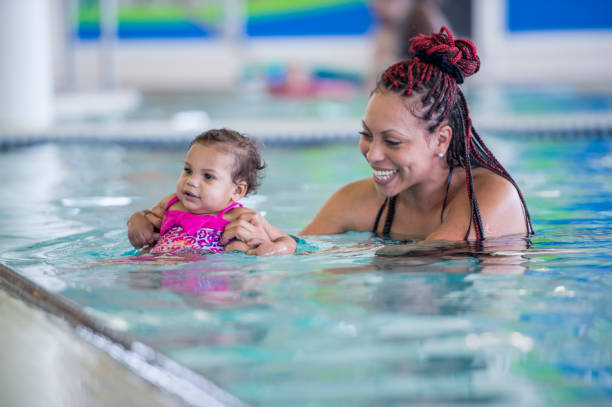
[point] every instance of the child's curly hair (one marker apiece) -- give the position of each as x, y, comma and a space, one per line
248, 163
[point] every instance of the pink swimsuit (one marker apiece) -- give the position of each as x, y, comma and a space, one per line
187, 232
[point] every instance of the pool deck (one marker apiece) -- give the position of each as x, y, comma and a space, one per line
47, 339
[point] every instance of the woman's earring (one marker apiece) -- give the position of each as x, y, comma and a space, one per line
440, 155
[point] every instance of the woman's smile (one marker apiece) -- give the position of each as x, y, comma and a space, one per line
383, 176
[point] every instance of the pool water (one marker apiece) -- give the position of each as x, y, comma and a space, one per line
515, 323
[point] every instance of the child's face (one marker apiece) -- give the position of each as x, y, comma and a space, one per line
206, 185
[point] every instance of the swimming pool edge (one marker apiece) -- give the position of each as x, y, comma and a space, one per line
143, 361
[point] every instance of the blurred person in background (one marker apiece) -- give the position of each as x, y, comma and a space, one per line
398, 22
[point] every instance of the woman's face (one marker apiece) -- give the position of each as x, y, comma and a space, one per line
396, 144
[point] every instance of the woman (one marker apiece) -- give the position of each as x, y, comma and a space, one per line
433, 178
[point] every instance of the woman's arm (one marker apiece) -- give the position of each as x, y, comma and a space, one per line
144, 226
279, 243
260, 237
352, 207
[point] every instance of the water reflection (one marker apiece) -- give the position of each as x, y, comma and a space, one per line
216, 287
201, 284
492, 256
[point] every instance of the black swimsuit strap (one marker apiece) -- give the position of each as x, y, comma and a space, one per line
389, 217
448, 182
380, 211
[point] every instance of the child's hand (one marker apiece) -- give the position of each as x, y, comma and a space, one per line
141, 231
142, 225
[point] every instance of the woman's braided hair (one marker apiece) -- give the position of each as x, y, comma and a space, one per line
439, 63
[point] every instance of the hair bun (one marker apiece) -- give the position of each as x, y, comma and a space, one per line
458, 57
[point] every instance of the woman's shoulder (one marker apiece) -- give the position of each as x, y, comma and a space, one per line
352, 207
361, 190
485, 183
493, 187
499, 206
498, 202
360, 196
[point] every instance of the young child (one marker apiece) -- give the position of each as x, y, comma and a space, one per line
221, 167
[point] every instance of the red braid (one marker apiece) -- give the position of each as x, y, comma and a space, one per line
439, 64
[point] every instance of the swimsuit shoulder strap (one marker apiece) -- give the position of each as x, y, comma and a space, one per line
389, 217
171, 202
378, 215
232, 206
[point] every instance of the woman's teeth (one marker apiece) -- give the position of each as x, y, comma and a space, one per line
383, 174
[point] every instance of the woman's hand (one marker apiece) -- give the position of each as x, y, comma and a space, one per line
247, 227
263, 239
144, 226
278, 247
157, 214
141, 231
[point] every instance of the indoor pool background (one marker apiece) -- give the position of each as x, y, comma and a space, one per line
511, 326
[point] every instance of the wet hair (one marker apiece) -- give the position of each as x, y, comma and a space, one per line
248, 162
439, 64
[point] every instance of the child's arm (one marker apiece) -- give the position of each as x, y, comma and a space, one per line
262, 238
144, 226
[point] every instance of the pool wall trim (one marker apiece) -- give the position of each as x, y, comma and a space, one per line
285, 132
142, 360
